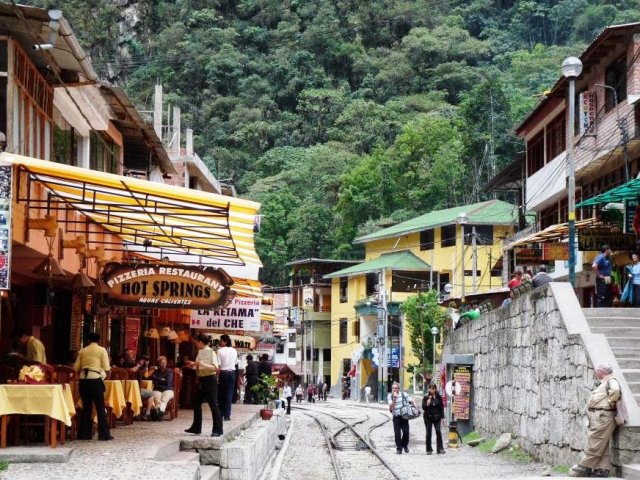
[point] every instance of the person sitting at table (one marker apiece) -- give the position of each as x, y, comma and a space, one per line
162, 378
92, 366
35, 348
128, 360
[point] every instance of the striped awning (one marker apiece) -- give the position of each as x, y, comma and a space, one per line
163, 219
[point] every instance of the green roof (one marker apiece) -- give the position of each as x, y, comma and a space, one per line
402, 260
491, 212
626, 191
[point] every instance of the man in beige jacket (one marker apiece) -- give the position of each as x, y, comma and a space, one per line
601, 411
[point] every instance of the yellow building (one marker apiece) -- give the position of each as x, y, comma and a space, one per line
417, 255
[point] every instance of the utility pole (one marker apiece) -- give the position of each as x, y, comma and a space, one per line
475, 259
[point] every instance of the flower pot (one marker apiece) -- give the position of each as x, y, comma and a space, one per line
266, 413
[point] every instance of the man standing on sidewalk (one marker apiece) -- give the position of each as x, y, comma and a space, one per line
601, 411
367, 393
228, 357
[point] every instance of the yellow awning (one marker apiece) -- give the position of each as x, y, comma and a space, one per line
553, 233
162, 218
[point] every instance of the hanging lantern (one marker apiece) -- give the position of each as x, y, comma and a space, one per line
153, 333
172, 335
165, 332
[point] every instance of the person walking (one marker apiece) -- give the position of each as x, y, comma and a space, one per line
206, 367
92, 365
602, 268
251, 373
396, 400
288, 396
601, 411
228, 357
541, 278
367, 393
633, 275
310, 392
299, 393
433, 408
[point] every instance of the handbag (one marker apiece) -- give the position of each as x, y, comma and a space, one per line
409, 411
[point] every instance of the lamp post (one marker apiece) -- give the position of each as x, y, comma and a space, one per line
462, 220
571, 69
434, 332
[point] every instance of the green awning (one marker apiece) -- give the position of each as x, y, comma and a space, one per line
403, 260
627, 191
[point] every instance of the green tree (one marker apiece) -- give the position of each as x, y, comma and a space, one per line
422, 313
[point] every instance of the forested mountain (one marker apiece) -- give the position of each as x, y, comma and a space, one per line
343, 115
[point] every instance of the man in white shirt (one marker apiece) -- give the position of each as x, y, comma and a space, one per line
228, 357
288, 395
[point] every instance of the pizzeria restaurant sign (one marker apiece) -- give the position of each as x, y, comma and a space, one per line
166, 286
242, 313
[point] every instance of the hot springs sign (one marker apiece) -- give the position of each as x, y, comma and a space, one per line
167, 286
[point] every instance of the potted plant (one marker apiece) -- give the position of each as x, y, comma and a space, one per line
265, 393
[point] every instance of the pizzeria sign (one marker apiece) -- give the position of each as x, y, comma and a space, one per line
166, 286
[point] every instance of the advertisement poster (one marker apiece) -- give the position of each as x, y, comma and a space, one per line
462, 376
131, 334
242, 314
6, 172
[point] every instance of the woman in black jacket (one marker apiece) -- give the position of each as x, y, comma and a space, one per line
433, 409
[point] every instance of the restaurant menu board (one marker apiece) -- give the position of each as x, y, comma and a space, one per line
131, 333
462, 376
241, 314
630, 207
6, 173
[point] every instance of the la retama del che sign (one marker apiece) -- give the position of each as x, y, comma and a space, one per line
166, 286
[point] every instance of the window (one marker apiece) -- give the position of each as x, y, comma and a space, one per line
292, 337
616, 76
316, 354
104, 154
556, 138
344, 289
292, 353
372, 283
65, 140
326, 354
426, 239
280, 348
356, 330
535, 154
346, 366
484, 234
343, 330
448, 236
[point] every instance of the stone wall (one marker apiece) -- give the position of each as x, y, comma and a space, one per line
532, 376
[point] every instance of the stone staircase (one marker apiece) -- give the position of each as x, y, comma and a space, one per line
621, 327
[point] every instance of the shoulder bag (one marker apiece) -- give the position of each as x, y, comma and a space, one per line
408, 411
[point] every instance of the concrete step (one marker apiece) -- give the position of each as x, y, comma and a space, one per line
631, 375
626, 331
162, 450
183, 457
209, 472
628, 362
628, 352
631, 472
613, 321
615, 342
611, 312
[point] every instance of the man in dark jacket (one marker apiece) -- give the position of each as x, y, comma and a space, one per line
251, 373
162, 388
541, 278
433, 408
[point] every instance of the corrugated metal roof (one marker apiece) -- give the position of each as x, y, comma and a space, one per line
560, 85
491, 212
403, 260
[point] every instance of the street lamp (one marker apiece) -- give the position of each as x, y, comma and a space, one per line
462, 219
434, 332
571, 69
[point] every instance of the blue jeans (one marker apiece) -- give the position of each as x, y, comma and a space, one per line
227, 386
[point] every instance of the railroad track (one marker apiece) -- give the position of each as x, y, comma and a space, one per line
346, 438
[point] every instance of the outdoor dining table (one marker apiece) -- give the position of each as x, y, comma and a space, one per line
55, 401
113, 398
132, 395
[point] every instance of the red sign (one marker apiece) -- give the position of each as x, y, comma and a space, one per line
131, 334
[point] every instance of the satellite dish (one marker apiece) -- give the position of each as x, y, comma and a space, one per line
448, 288
453, 388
